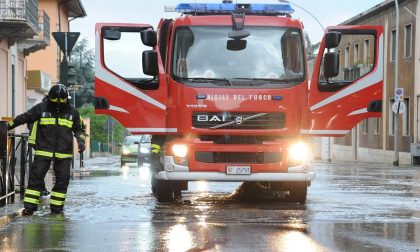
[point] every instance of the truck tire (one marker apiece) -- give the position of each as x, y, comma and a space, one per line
153, 183
164, 191
297, 192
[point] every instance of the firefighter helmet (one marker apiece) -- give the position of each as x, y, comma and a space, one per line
58, 93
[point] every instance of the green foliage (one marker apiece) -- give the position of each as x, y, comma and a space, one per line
98, 125
83, 58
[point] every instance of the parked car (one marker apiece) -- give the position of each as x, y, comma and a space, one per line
135, 149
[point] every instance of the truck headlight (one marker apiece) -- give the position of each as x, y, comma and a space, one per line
180, 152
298, 153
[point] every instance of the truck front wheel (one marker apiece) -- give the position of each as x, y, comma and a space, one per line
164, 191
297, 192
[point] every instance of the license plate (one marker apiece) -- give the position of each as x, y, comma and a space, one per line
238, 170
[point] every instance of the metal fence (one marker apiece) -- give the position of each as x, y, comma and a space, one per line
10, 144
24, 10
44, 25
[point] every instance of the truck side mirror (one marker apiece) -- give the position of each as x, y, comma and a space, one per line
331, 64
111, 34
101, 103
150, 63
149, 37
332, 39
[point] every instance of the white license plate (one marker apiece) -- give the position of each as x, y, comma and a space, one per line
238, 170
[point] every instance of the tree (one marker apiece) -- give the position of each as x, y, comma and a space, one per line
84, 59
311, 49
98, 124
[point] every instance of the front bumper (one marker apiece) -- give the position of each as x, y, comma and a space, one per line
173, 171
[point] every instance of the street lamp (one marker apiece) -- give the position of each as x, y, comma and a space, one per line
74, 88
300, 7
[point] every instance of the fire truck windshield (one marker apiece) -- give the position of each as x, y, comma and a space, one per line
269, 56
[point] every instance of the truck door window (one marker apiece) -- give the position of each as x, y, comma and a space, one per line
353, 64
124, 57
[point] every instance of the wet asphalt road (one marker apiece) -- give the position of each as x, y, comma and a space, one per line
350, 207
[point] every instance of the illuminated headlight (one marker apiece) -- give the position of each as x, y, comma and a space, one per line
125, 151
144, 150
298, 153
180, 152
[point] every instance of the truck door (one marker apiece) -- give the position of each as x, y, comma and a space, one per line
122, 89
340, 97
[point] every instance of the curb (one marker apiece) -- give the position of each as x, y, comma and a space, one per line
4, 220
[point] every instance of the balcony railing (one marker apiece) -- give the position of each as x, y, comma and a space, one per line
18, 20
44, 25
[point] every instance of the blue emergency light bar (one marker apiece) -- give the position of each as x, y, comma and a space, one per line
212, 8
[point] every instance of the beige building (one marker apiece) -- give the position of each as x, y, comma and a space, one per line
373, 139
19, 23
43, 65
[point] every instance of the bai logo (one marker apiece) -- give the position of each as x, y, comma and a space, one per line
212, 118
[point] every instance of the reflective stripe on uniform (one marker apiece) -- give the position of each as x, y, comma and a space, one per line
32, 192
31, 200
44, 153
56, 202
11, 123
62, 155
47, 121
32, 136
155, 148
65, 122
58, 195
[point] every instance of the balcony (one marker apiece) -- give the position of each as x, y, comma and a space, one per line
18, 19
41, 39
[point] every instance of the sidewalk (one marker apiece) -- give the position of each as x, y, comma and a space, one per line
9, 212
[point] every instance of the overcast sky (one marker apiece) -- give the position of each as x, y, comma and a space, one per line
328, 12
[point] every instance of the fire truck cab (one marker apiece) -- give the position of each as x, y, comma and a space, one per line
224, 89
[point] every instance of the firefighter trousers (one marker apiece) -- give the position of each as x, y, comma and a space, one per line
36, 184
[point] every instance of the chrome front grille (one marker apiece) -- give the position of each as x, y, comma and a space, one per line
238, 120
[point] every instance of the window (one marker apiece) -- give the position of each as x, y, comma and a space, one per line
124, 56
391, 118
365, 126
271, 55
377, 128
346, 57
406, 118
366, 52
356, 54
393, 44
351, 65
407, 41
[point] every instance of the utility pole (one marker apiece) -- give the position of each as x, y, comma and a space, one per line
396, 161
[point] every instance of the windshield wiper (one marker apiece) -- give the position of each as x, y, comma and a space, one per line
205, 80
270, 80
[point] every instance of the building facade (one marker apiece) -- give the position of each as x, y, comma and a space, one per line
43, 66
373, 139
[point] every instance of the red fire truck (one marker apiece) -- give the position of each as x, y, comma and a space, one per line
224, 90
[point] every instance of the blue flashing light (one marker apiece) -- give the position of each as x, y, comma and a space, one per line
201, 97
277, 97
212, 8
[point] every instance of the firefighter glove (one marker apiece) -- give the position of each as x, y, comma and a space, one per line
81, 147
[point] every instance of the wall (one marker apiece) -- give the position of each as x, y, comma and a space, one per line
4, 78
47, 60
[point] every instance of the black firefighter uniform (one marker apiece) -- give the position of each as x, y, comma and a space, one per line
52, 138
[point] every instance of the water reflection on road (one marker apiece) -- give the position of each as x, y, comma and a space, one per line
350, 208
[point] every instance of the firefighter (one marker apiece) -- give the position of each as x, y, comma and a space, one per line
55, 121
